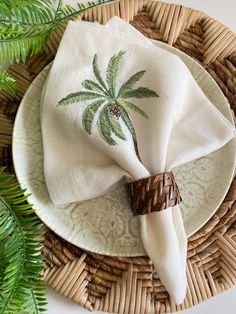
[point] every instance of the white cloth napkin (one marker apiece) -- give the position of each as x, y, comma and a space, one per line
182, 125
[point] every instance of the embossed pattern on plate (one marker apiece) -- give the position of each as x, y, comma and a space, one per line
106, 225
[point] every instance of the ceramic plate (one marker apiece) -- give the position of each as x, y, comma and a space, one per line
106, 225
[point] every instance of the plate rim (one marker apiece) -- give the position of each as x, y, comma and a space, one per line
50, 226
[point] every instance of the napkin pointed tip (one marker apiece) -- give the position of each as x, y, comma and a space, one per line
179, 297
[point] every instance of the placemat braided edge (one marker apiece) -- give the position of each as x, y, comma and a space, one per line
129, 285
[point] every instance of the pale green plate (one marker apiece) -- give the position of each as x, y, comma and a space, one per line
105, 225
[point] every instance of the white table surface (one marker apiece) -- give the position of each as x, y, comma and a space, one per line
225, 303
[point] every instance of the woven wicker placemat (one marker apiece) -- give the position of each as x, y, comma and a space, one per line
129, 285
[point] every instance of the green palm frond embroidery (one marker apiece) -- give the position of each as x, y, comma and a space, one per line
110, 104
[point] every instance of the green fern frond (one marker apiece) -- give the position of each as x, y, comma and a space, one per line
26, 25
7, 83
15, 47
32, 12
40, 12
5, 11
22, 288
112, 71
91, 4
65, 11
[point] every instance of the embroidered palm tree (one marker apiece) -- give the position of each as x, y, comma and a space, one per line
110, 103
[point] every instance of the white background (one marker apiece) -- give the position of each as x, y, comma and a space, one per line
225, 303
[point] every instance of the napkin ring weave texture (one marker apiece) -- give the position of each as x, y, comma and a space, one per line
153, 193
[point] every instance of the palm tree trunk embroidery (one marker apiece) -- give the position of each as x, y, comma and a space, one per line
109, 103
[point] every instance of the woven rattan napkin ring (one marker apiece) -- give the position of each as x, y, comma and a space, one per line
153, 194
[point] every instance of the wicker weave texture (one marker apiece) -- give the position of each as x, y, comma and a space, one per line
154, 193
129, 285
